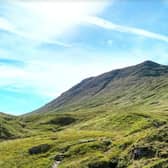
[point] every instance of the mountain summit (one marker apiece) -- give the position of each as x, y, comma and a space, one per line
150, 63
109, 85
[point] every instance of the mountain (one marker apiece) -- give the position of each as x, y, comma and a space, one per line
115, 120
110, 84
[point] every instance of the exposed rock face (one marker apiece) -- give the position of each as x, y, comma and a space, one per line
62, 121
59, 157
103, 164
140, 152
39, 149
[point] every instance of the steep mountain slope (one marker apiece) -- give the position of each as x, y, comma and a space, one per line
115, 120
113, 85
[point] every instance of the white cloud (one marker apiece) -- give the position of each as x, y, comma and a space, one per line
5, 25
112, 26
48, 20
49, 77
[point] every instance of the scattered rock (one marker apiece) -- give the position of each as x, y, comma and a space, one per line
140, 152
62, 121
59, 157
39, 149
104, 164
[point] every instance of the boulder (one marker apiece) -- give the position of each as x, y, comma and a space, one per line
62, 121
103, 164
59, 157
39, 149
144, 151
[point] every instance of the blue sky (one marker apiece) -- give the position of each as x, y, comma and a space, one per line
48, 46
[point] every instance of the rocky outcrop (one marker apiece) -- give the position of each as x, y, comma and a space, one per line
39, 149
62, 121
144, 151
59, 157
104, 164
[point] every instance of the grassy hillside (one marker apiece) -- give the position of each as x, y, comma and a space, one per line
111, 136
11, 127
114, 85
115, 120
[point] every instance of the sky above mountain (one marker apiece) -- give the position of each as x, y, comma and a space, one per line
48, 46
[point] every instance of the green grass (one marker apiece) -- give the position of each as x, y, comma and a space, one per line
94, 130
94, 137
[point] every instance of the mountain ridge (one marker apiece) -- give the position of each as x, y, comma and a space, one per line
91, 86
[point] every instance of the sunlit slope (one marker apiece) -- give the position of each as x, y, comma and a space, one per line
122, 86
116, 120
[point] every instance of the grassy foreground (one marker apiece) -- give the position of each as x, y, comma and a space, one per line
103, 140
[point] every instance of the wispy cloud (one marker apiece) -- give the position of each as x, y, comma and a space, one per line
47, 21
125, 29
5, 25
